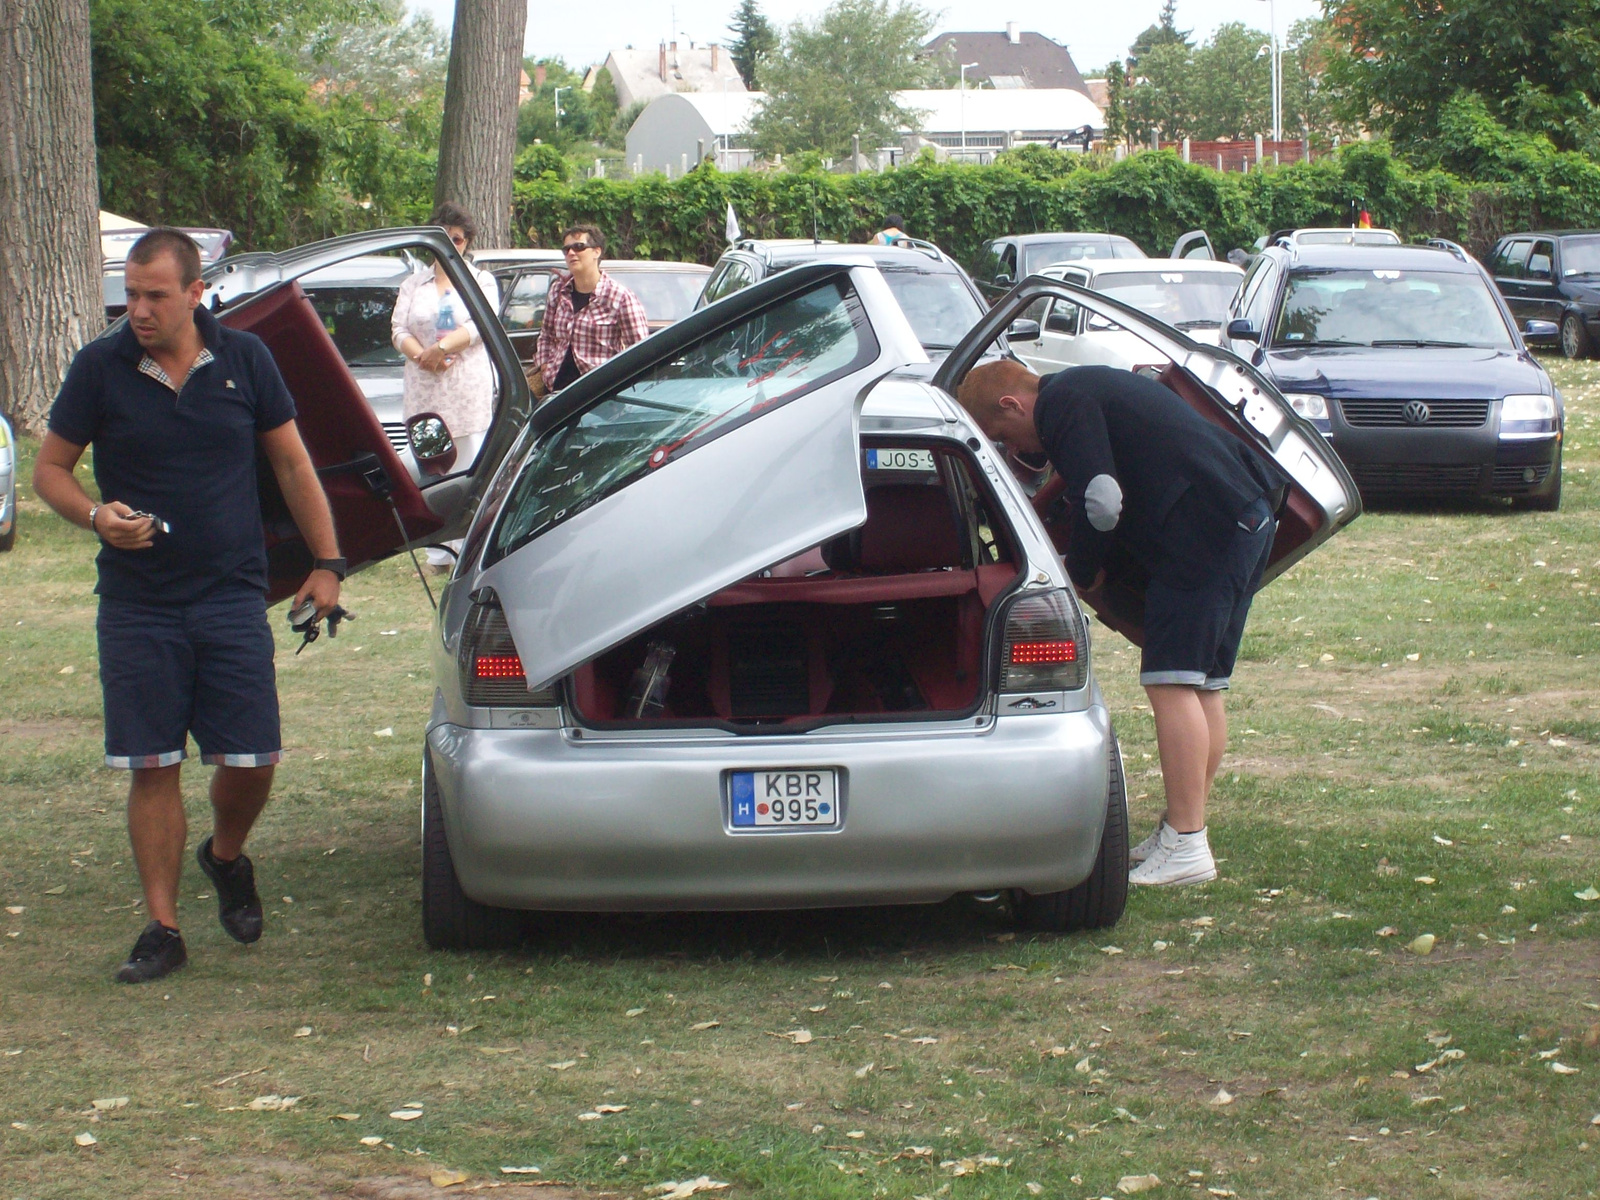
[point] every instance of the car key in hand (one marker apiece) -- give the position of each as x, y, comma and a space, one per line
306, 623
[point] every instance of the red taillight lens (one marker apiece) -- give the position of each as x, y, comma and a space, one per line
1044, 648
491, 668
496, 666
1029, 654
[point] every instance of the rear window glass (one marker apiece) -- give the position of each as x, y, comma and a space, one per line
939, 307
1580, 256
358, 321
666, 295
714, 386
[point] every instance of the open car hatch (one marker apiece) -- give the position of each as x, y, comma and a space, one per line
1223, 388
698, 458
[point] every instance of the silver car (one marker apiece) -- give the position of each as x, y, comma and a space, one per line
752, 616
8, 485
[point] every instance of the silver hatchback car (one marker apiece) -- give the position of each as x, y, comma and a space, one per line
752, 616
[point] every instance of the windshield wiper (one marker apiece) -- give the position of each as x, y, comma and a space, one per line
1326, 342
1198, 325
1422, 343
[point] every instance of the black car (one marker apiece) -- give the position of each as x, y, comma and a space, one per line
1005, 260
936, 295
1411, 364
1553, 276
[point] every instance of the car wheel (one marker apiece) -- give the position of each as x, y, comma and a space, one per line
1575, 339
451, 920
1098, 901
1546, 503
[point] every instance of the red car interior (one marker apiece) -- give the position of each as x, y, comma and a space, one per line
342, 436
887, 619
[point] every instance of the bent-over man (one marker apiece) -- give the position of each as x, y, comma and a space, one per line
176, 406
1194, 507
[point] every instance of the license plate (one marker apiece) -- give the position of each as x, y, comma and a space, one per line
798, 799
899, 460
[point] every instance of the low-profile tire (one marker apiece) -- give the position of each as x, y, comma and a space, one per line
451, 920
1575, 339
1550, 502
1098, 901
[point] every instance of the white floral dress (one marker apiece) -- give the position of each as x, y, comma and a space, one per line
463, 394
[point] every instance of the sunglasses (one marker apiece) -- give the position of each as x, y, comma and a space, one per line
458, 239
577, 247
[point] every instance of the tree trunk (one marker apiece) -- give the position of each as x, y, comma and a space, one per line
50, 275
478, 144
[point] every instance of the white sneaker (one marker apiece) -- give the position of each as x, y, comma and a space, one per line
1178, 858
1148, 847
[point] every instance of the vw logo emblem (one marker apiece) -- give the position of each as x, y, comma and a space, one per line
1415, 413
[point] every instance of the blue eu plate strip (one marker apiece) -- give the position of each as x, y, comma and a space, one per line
743, 790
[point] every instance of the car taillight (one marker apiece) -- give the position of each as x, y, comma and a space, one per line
1043, 649
491, 668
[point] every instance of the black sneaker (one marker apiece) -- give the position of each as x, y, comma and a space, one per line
159, 951
238, 905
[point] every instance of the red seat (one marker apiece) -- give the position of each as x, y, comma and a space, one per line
910, 527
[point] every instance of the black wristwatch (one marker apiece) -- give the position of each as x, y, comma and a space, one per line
337, 565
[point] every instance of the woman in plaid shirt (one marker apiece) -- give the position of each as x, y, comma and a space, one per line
588, 317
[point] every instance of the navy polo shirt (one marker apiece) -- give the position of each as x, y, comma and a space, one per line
188, 456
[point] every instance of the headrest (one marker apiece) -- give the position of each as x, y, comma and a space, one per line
910, 527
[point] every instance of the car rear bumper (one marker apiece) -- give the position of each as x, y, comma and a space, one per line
540, 819
1442, 463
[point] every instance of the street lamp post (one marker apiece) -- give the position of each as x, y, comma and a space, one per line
559, 90
965, 67
1277, 71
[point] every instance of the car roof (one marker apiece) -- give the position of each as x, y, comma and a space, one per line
635, 265
1139, 266
1023, 239
1414, 258
479, 257
375, 270
925, 257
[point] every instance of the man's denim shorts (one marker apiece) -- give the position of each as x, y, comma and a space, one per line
1192, 635
203, 668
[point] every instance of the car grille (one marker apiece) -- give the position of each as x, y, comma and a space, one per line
1416, 479
767, 670
1513, 480
395, 431
1442, 414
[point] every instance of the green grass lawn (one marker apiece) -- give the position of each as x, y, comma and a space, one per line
1415, 749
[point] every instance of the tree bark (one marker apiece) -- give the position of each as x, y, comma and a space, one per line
478, 144
50, 277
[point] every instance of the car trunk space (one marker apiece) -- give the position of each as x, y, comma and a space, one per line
887, 621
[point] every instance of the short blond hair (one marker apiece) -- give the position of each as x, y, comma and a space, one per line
981, 390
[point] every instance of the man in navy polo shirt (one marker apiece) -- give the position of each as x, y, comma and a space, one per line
176, 406
1194, 507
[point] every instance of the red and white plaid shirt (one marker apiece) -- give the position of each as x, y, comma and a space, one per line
612, 321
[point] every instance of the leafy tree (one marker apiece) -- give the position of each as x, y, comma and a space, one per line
1164, 32
1116, 102
1163, 95
1231, 94
1535, 65
838, 78
753, 39
536, 120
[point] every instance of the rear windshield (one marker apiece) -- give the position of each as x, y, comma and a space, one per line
1580, 256
939, 307
666, 295
1183, 299
731, 377
1389, 307
1039, 255
1348, 237
357, 319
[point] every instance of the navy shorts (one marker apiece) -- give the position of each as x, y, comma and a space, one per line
205, 669
1192, 635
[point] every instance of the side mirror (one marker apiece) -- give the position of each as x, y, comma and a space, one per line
1242, 330
431, 443
1003, 279
1023, 330
1541, 330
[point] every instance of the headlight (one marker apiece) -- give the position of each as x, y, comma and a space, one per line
1309, 405
1527, 408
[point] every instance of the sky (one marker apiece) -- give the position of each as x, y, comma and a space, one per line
1094, 34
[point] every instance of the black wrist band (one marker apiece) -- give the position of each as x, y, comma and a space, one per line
337, 565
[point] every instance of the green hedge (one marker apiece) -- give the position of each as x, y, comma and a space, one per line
1151, 197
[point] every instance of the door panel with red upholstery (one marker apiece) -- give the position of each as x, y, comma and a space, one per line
353, 457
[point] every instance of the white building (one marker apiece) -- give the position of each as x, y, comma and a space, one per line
648, 74
676, 131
